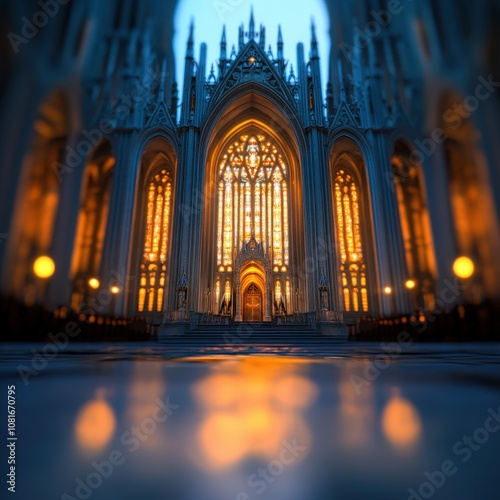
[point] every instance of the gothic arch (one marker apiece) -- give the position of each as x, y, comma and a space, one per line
353, 228
414, 218
151, 244
38, 194
471, 198
92, 222
259, 118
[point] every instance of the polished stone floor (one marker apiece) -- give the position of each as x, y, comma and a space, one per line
362, 421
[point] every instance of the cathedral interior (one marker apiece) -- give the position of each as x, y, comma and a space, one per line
254, 190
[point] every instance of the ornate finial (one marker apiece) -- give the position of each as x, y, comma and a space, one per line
280, 43
314, 40
251, 28
190, 44
161, 93
211, 78
223, 44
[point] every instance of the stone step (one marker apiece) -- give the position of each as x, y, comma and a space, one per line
252, 334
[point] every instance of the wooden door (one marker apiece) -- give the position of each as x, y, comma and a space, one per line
252, 304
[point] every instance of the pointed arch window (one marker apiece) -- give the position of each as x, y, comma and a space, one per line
253, 199
156, 242
415, 221
352, 263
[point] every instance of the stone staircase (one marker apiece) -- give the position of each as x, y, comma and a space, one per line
252, 334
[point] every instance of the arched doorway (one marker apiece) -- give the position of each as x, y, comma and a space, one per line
253, 304
252, 287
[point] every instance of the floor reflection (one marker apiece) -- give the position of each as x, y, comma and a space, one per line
95, 425
401, 423
252, 427
250, 407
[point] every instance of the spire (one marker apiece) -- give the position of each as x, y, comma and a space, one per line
262, 38
280, 43
251, 28
314, 41
241, 38
163, 81
190, 44
223, 45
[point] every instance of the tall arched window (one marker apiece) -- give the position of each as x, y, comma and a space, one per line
38, 203
156, 241
253, 197
415, 222
92, 221
352, 264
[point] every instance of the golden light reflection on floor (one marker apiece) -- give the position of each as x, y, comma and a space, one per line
95, 425
147, 386
250, 407
356, 424
401, 423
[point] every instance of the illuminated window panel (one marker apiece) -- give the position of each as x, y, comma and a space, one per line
253, 199
217, 295
364, 299
278, 291
286, 247
288, 295
414, 219
348, 222
156, 242
257, 216
228, 224
220, 224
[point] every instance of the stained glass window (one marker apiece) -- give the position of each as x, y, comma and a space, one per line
352, 265
156, 241
253, 199
415, 222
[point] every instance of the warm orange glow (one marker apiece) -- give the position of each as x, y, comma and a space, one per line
95, 426
251, 407
388, 290
410, 284
115, 290
253, 198
44, 267
401, 423
94, 283
352, 265
463, 267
